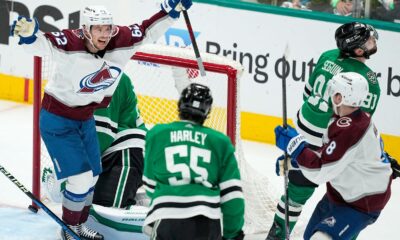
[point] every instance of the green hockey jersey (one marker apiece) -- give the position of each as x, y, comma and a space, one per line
316, 111
191, 170
119, 126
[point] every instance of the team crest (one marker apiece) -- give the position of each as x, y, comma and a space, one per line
330, 221
343, 122
99, 80
371, 77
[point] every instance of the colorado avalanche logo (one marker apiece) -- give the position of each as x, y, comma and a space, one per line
343, 122
99, 80
330, 221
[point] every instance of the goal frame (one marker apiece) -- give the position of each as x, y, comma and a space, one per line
232, 100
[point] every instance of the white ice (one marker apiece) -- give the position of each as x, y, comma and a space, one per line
18, 223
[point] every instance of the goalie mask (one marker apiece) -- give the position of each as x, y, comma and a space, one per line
351, 36
97, 16
195, 103
352, 86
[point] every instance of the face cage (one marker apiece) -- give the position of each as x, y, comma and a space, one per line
367, 52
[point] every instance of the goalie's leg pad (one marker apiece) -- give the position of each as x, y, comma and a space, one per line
115, 223
338, 221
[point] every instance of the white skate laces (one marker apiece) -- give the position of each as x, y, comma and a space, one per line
87, 233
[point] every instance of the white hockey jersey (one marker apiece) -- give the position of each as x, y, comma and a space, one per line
80, 81
350, 162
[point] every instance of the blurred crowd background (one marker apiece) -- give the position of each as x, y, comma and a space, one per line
384, 10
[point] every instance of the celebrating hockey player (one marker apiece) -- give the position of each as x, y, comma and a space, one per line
356, 42
351, 161
191, 175
88, 64
121, 133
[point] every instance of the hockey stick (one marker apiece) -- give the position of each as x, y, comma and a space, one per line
285, 161
39, 203
194, 43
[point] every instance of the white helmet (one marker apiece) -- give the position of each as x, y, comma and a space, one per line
96, 15
352, 86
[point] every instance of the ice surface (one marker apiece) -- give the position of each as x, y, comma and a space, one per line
18, 223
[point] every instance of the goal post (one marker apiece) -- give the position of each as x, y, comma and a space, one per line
37, 99
151, 73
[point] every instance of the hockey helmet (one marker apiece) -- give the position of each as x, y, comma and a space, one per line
353, 35
195, 103
96, 15
352, 86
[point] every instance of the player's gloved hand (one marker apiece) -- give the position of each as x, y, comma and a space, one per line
279, 169
289, 140
26, 29
174, 7
240, 236
394, 164
181, 78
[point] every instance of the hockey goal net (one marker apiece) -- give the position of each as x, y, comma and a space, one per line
151, 74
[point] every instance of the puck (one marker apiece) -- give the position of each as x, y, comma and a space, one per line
33, 208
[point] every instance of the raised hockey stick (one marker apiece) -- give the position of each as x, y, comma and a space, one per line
39, 203
194, 43
285, 161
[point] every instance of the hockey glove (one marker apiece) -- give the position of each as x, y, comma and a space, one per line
174, 7
181, 78
26, 29
394, 164
240, 236
289, 140
279, 169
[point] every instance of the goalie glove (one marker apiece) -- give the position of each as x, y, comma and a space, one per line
279, 168
52, 187
181, 78
289, 140
174, 7
26, 29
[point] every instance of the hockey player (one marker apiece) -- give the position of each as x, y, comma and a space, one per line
356, 42
351, 161
88, 63
191, 175
121, 134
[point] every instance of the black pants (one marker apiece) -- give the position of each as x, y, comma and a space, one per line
194, 228
120, 179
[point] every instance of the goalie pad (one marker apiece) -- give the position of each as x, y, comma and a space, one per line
181, 78
52, 187
118, 224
